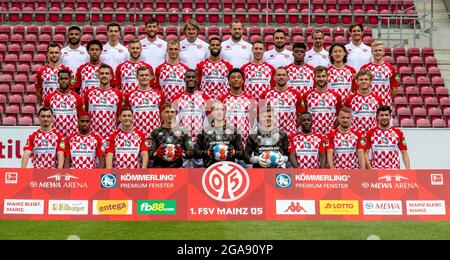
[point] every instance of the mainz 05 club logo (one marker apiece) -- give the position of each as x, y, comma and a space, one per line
225, 181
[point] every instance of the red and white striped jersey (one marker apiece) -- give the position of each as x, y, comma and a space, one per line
84, 150
66, 108
384, 146
307, 147
286, 105
170, 79
192, 111
364, 111
47, 79
146, 106
126, 76
341, 80
213, 77
87, 77
44, 147
384, 79
324, 107
241, 112
345, 148
301, 78
104, 107
259, 78
127, 148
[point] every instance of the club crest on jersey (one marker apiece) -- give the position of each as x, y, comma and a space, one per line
363, 141
52, 77
63, 104
44, 143
237, 106
94, 75
199, 46
258, 74
321, 102
384, 140
377, 74
145, 101
120, 50
365, 106
159, 45
83, 146
134, 72
345, 143
127, 143
286, 56
244, 47
280, 102
62, 145
103, 100
169, 140
268, 141
218, 137
172, 75
299, 76
307, 145
191, 104
340, 79
215, 72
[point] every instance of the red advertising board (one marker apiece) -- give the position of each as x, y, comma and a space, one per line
225, 191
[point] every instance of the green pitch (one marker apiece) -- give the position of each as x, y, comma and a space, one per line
184, 230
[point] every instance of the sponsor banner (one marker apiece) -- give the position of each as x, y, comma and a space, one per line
68, 207
23, 207
224, 191
382, 207
339, 207
12, 141
425, 207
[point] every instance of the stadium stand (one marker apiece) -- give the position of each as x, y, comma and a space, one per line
32, 25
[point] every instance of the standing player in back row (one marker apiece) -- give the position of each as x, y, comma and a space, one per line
193, 49
126, 73
170, 74
146, 103
301, 75
384, 142
74, 54
213, 72
322, 103
358, 53
384, 82
46, 145
235, 50
114, 53
279, 55
259, 75
153, 48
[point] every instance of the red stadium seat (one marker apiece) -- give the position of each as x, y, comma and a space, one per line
173, 30
441, 92
293, 16
415, 102
279, 4
306, 16
413, 52
435, 113
187, 14
86, 38
423, 82
427, 52
423, 123
9, 121
385, 17
395, 122
4, 88
360, 16
40, 59
434, 72
407, 122
318, 4
416, 61
444, 102
438, 123
241, 3
331, 4
200, 15
412, 92
30, 99
102, 38
419, 113
427, 92
431, 102
400, 102
404, 72
333, 16
214, 17
402, 61
383, 5
387, 51
430, 62
403, 113
399, 51
59, 39
80, 14
437, 82
320, 16
368, 40
446, 114
298, 38
372, 17
420, 72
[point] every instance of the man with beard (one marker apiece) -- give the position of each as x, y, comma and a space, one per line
340, 74
358, 53
268, 138
84, 149
126, 72
65, 104
279, 56
240, 107
219, 141
47, 76
317, 56
153, 48
384, 81
346, 145
146, 103
87, 74
104, 103
259, 75
301, 75
170, 144
285, 102
74, 55
235, 50
383, 143
307, 148
322, 103
127, 148
46, 145
193, 49
213, 72
170, 74
114, 53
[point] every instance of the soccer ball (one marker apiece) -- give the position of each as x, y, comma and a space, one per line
170, 152
271, 158
220, 152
